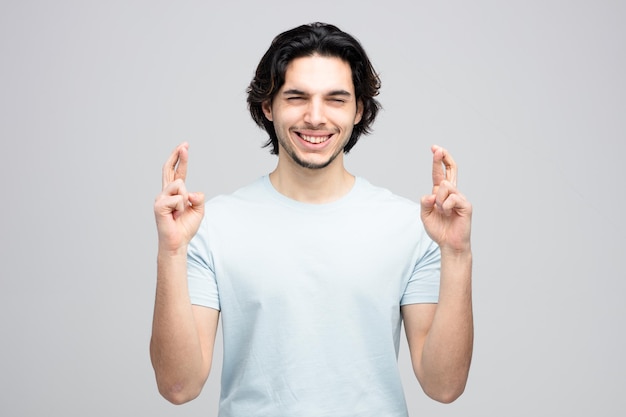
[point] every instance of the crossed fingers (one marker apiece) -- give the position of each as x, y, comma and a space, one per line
444, 167
176, 165
446, 196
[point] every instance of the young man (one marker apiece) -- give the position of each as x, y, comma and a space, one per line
311, 268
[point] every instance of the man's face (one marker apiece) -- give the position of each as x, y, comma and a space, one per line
315, 111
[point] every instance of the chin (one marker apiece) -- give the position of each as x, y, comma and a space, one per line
317, 163
314, 164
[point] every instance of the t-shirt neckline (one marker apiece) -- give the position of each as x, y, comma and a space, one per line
287, 201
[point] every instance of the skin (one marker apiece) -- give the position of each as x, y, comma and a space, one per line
316, 104
441, 336
183, 335
317, 101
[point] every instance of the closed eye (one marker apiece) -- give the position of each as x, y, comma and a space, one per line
339, 97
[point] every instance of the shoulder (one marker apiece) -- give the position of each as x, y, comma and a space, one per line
369, 193
248, 194
382, 209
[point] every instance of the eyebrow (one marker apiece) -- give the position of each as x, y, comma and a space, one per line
295, 91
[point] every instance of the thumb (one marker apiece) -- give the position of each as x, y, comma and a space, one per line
196, 199
428, 202
428, 205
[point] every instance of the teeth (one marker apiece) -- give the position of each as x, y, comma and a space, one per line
314, 139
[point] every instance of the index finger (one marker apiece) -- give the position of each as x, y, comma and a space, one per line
444, 166
176, 165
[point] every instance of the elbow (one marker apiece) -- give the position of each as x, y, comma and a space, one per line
446, 395
179, 389
175, 386
177, 393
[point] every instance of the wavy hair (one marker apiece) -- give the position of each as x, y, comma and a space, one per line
307, 40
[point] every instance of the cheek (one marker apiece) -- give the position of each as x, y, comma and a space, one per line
344, 116
286, 117
348, 119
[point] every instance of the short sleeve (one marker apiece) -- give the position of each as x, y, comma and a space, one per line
201, 272
423, 285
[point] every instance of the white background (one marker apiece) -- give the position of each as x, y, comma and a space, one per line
529, 97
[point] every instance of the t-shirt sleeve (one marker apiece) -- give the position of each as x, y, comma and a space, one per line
423, 285
201, 280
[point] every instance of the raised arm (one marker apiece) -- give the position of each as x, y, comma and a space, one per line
441, 336
183, 335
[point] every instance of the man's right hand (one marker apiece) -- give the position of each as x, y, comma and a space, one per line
178, 212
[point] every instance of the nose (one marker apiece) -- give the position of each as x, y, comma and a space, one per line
315, 113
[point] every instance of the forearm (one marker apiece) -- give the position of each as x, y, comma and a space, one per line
175, 347
447, 351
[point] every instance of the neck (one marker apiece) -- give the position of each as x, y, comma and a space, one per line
313, 186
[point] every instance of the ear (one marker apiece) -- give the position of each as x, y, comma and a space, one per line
359, 112
267, 109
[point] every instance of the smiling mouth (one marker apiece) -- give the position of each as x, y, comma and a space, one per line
314, 139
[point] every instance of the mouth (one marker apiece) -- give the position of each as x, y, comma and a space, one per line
314, 139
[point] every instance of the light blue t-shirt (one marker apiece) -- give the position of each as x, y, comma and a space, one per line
310, 298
